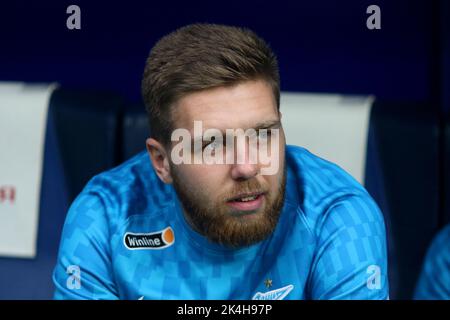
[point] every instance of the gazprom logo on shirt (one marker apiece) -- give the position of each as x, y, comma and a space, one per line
155, 240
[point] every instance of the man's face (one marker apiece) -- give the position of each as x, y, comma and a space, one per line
231, 203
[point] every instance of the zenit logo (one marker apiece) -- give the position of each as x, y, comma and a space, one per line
155, 240
277, 294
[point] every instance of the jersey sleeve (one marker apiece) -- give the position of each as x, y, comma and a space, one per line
83, 268
351, 259
434, 280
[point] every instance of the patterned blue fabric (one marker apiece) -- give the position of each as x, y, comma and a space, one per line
329, 242
434, 281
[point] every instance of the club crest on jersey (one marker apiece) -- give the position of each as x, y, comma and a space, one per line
277, 294
155, 240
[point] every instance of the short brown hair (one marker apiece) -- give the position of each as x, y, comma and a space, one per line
198, 57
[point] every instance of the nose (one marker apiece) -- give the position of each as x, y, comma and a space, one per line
245, 170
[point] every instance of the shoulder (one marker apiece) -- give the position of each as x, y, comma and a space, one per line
324, 192
347, 227
440, 243
438, 255
434, 280
131, 188
315, 183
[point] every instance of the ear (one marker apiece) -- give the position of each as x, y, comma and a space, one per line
160, 159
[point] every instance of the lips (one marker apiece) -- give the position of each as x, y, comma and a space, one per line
247, 202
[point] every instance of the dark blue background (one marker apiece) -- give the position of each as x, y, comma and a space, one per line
323, 46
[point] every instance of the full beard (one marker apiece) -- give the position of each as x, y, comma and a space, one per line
216, 221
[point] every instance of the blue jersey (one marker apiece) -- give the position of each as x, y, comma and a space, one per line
434, 281
125, 237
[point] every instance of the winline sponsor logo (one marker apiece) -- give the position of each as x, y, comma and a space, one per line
155, 240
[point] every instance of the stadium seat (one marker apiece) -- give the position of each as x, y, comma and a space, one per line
80, 141
135, 130
446, 163
402, 176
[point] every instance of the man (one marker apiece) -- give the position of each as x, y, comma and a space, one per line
434, 281
203, 221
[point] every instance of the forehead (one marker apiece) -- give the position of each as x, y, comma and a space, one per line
239, 106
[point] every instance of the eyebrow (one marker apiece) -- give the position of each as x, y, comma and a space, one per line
269, 124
